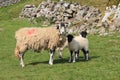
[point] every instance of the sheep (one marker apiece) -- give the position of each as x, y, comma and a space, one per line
78, 43
39, 39
60, 49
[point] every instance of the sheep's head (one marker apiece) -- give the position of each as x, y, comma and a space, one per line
62, 28
83, 34
70, 37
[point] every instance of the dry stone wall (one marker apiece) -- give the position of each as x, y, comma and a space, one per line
8, 2
111, 18
77, 17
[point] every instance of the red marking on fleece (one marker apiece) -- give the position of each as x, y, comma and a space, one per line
31, 31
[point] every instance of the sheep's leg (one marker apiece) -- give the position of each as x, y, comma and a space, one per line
60, 53
21, 59
74, 57
51, 57
86, 54
71, 52
77, 55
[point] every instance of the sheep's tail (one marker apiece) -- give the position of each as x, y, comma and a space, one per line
17, 51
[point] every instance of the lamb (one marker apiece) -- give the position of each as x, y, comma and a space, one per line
78, 43
39, 39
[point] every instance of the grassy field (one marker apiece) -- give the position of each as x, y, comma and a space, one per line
103, 65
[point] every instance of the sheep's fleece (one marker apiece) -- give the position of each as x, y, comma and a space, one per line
37, 39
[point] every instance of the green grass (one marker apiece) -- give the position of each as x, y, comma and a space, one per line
103, 65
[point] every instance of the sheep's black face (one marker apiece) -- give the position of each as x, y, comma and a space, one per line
70, 38
83, 34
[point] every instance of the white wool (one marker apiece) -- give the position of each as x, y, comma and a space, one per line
78, 43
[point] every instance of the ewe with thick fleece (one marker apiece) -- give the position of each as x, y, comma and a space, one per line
78, 43
37, 39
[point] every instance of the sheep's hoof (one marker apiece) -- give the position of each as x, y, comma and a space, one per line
60, 57
74, 61
50, 63
70, 61
85, 59
22, 65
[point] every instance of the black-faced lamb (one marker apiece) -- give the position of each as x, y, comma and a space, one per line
78, 43
39, 39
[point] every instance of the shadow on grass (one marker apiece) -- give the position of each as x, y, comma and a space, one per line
90, 58
93, 57
62, 61
56, 61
